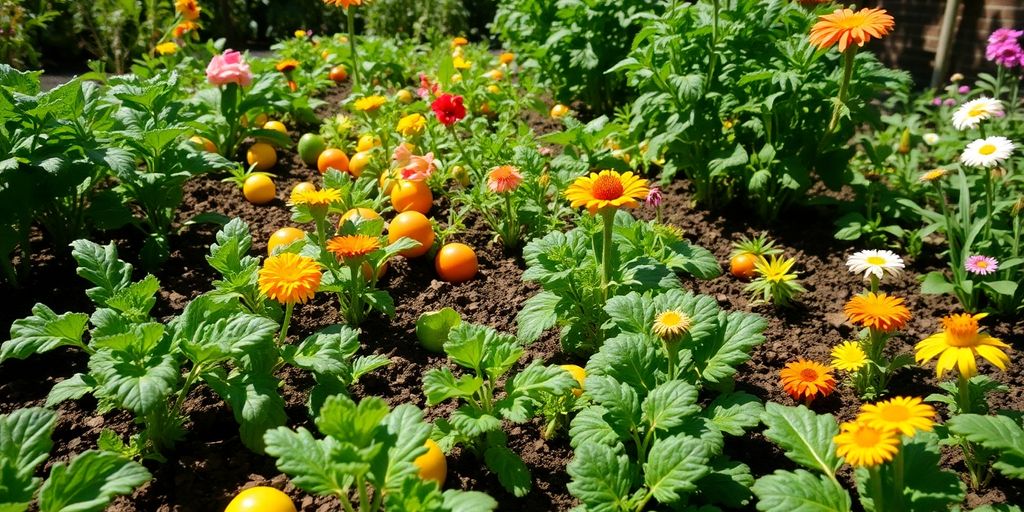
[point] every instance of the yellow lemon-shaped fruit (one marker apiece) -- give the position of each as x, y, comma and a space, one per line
204, 143
262, 155
363, 213
577, 373
367, 142
432, 464
358, 162
404, 96
261, 499
258, 189
559, 111
277, 126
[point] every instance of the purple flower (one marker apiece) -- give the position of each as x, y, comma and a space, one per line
964, 89
937, 102
654, 197
981, 265
949, 102
1004, 48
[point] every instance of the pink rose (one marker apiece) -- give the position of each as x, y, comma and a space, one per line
419, 167
228, 68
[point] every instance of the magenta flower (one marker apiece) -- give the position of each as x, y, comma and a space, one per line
653, 197
1004, 48
981, 265
964, 89
937, 102
228, 68
950, 102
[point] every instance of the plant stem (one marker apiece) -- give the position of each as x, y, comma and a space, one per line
284, 325
193, 374
876, 488
355, 307
608, 216
964, 395
352, 45
844, 87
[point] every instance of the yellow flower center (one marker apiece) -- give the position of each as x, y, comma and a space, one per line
672, 323
981, 264
875, 260
976, 111
866, 437
987, 149
607, 188
961, 330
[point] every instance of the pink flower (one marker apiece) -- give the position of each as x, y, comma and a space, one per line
949, 102
228, 68
504, 179
654, 197
981, 265
401, 155
426, 88
937, 102
1004, 48
419, 168
963, 89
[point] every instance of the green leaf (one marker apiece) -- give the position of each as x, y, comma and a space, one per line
805, 436
620, 400
24, 444
1000, 434
628, 358
328, 352
728, 484
139, 385
101, 267
349, 422
539, 313
510, 468
674, 466
71, 388
90, 482
432, 327
926, 486
42, 332
733, 413
472, 422
601, 478
255, 402
935, 283
308, 461
530, 387
719, 355
468, 501
800, 491
669, 404
137, 299
440, 384
406, 434
590, 427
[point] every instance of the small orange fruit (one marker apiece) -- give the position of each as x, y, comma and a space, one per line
577, 373
411, 196
413, 225
432, 464
258, 189
363, 213
338, 73
332, 158
204, 143
263, 155
283, 238
367, 142
559, 111
456, 263
742, 265
358, 162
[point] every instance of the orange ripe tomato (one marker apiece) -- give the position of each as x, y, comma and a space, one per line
364, 213
456, 263
332, 158
411, 196
258, 189
432, 464
262, 155
338, 73
742, 265
283, 237
358, 162
413, 225
559, 111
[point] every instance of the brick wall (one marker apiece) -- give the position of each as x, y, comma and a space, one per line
913, 43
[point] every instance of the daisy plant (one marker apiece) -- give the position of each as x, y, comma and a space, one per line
806, 380
775, 283
880, 316
876, 265
890, 445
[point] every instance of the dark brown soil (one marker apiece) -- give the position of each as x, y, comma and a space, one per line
211, 465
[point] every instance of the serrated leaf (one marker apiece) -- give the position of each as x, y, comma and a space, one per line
718, 356
327, 352
468, 501
806, 437
620, 400
406, 434
538, 314
472, 422
728, 483
440, 384
1000, 434
530, 387
349, 422
24, 444
590, 427
101, 267
733, 413
601, 478
307, 460
90, 482
71, 388
42, 332
800, 491
669, 404
510, 468
139, 385
674, 466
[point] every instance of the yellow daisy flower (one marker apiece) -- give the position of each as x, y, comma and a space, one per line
959, 344
607, 189
863, 445
907, 415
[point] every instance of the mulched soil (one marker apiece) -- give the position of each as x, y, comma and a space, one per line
211, 465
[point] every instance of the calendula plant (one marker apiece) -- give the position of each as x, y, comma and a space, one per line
88, 482
880, 316
476, 423
576, 283
895, 459
775, 282
366, 459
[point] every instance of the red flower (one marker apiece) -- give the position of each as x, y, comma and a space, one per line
448, 109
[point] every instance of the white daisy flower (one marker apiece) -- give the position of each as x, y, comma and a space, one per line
931, 138
987, 152
875, 263
972, 113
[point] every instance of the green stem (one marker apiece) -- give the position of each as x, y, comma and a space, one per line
345, 503
364, 500
608, 215
193, 374
284, 325
876, 488
355, 307
844, 87
352, 45
898, 469
964, 395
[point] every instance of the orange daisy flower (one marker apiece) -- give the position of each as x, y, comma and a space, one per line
189, 9
344, 4
880, 312
504, 179
846, 27
805, 380
289, 278
607, 189
352, 246
287, 65
184, 28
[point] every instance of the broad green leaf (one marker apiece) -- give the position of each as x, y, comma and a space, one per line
673, 467
255, 402
719, 356
327, 352
42, 332
101, 267
440, 384
935, 283
805, 436
602, 479
539, 313
800, 491
669, 404
406, 435
472, 423
308, 461
733, 413
628, 358
90, 482
137, 299
728, 484
349, 422
71, 388
468, 501
1000, 434
24, 444
139, 385
620, 400
590, 427
510, 468
530, 387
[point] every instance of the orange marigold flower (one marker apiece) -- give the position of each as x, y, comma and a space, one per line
344, 4
504, 179
352, 246
184, 28
287, 65
846, 27
289, 278
607, 189
880, 312
189, 9
805, 380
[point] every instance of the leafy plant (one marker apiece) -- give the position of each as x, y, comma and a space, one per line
1000, 434
477, 422
368, 451
775, 282
88, 483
